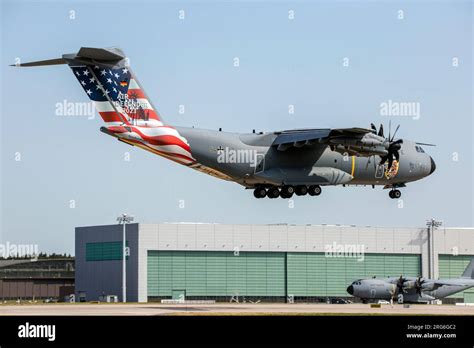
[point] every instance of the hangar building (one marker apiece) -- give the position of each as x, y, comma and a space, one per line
28, 279
260, 262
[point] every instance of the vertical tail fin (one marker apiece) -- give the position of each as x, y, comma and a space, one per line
108, 81
469, 271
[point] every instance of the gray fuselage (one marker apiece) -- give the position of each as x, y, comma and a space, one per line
250, 160
385, 289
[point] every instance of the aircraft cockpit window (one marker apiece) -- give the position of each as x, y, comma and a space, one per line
419, 149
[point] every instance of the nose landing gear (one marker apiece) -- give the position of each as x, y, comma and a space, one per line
395, 194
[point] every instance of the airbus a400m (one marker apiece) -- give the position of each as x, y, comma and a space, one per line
276, 164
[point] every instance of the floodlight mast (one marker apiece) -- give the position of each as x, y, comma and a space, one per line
432, 224
124, 219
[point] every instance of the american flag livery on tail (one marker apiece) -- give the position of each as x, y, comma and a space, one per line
117, 95
123, 105
273, 164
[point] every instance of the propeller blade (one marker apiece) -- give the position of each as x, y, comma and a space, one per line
389, 129
390, 161
399, 141
374, 129
400, 282
393, 137
381, 130
395, 147
397, 155
383, 159
418, 283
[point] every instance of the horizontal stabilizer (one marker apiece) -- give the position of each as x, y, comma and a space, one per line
107, 79
107, 56
56, 61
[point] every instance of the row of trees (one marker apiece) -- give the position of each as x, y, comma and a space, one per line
39, 256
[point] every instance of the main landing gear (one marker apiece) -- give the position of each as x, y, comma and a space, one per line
286, 191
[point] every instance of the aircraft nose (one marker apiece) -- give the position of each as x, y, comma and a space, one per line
433, 165
350, 289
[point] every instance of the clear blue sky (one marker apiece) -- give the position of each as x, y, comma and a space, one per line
190, 62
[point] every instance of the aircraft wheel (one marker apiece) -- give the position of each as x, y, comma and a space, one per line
301, 190
390, 194
273, 192
396, 194
287, 191
259, 192
314, 190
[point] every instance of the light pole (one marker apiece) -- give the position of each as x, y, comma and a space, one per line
431, 224
124, 219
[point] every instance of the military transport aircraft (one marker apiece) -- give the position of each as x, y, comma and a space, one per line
411, 289
273, 164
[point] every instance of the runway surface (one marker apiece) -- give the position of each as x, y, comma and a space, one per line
228, 309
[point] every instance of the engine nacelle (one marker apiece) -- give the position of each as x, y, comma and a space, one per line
428, 286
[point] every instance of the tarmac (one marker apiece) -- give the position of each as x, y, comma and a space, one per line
225, 309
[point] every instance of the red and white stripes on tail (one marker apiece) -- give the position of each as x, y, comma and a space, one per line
146, 116
117, 95
127, 112
164, 141
132, 108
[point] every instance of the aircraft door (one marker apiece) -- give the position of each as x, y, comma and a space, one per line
372, 293
260, 163
380, 169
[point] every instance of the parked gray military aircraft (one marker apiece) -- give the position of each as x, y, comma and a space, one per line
273, 164
411, 289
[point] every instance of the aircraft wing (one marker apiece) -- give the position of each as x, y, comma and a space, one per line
458, 282
302, 137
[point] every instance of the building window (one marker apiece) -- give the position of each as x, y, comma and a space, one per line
104, 251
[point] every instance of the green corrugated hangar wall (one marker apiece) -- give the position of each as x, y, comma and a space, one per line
266, 274
453, 266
